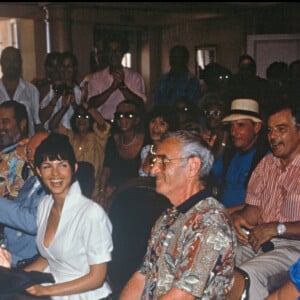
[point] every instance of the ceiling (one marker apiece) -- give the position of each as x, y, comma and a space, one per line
191, 10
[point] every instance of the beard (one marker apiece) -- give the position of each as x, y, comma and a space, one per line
9, 139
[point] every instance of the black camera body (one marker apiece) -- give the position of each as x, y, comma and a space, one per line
59, 89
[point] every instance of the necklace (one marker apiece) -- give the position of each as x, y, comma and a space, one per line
130, 143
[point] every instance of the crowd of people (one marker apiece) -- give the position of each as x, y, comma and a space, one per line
204, 178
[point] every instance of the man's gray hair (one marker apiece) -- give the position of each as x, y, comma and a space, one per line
192, 147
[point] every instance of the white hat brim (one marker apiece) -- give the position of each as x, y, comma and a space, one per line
235, 117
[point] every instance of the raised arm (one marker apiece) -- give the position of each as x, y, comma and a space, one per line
56, 119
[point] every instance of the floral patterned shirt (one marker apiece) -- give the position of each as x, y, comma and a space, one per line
191, 248
12, 170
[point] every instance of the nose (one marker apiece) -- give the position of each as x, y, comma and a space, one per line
54, 170
155, 169
272, 133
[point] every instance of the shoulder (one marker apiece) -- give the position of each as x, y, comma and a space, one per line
29, 85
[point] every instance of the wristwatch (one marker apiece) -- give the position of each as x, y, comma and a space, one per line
281, 229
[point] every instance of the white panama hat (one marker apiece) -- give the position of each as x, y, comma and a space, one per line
243, 109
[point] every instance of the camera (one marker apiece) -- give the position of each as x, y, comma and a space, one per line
59, 89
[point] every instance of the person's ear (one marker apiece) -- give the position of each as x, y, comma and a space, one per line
38, 172
75, 167
23, 125
257, 127
194, 165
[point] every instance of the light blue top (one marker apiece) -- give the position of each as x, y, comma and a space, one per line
19, 218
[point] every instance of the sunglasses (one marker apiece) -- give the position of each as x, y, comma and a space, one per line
127, 115
79, 116
162, 160
212, 113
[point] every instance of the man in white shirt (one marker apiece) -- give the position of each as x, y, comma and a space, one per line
13, 87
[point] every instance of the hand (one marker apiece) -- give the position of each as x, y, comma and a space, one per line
5, 258
209, 139
239, 222
119, 77
67, 100
37, 290
262, 233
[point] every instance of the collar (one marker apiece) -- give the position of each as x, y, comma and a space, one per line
190, 202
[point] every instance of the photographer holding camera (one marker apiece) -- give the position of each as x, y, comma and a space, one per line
65, 94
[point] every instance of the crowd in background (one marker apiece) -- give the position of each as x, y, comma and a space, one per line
110, 135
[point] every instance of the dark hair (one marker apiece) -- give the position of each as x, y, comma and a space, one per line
211, 99
279, 104
213, 74
80, 110
71, 56
252, 64
20, 111
167, 113
294, 69
11, 49
118, 37
277, 70
184, 51
55, 147
50, 57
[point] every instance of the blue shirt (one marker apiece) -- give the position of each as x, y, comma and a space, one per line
19, 218
234, 183
169, 89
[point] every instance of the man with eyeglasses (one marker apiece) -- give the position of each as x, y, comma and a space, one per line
192, 246
233, 168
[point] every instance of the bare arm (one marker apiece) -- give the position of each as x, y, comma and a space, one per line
46, 112
287, 291
93, 280
134, 288
100, 99
38, 265
66, 101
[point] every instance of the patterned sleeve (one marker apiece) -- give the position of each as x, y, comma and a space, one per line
206, 251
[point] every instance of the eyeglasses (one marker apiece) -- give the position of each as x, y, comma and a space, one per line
212, 113
162, 160
127, 115
79, 116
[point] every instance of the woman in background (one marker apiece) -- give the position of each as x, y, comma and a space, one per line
160, 120
122, 153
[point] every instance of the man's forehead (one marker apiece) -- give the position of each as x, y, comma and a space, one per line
241, 121
7, 113
281, 117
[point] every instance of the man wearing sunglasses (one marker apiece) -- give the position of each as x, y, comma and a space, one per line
192, 246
